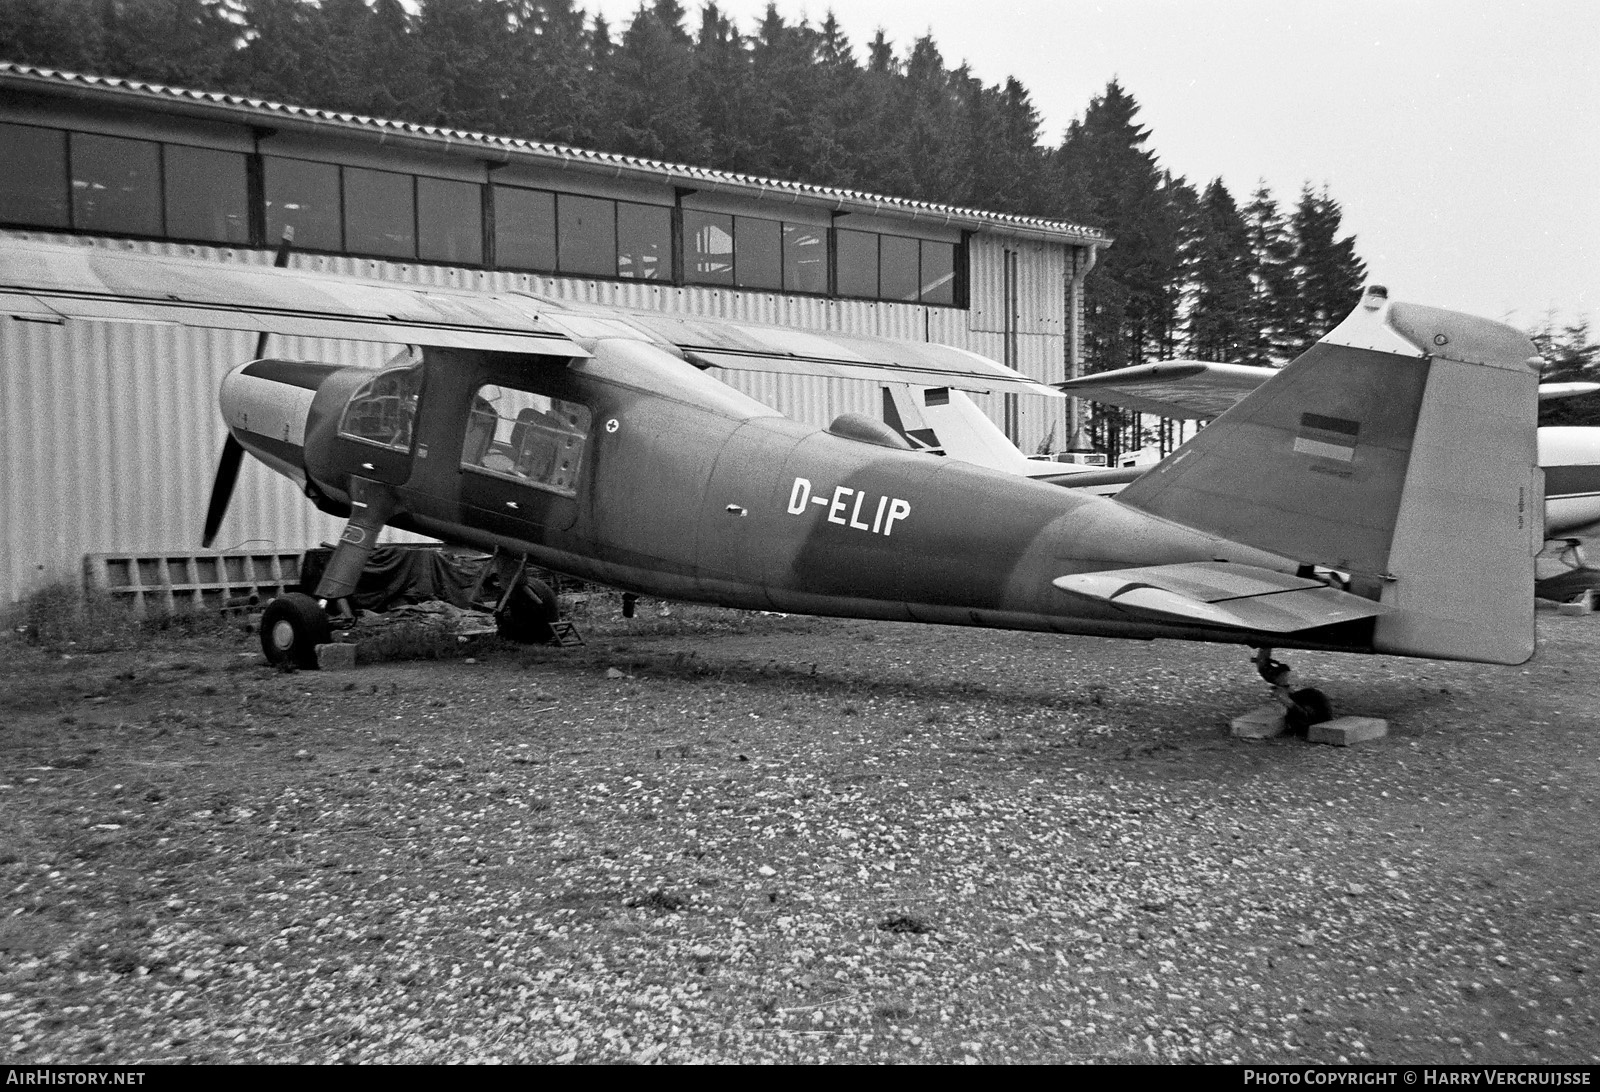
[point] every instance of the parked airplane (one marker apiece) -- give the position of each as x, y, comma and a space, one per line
1399, 450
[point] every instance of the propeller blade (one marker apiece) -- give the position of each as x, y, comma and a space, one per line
222, 488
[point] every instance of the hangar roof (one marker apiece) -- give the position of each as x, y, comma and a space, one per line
217, 105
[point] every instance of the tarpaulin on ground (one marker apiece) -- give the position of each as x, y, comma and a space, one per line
397, 575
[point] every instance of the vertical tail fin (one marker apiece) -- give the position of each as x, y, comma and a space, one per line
1401, 448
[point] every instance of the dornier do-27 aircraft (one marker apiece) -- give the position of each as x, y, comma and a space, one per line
1380, 494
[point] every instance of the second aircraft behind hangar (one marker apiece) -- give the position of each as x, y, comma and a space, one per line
1398, 452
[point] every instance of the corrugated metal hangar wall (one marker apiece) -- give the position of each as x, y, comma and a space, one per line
109, 432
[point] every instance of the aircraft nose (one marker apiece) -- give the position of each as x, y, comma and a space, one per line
266, 403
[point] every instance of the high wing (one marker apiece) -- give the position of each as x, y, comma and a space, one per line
1202, 389
51, 283
746, 346
44, 282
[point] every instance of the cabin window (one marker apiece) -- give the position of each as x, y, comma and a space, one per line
116, 185
33, 176
383, 409
527, 437
379, 214
586, 235
449, 221
207, 195
304, 196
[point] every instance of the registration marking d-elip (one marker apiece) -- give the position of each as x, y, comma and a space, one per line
885, 514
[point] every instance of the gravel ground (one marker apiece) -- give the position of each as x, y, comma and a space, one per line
729, 837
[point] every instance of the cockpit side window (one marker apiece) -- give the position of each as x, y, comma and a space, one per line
526, 437
384, 409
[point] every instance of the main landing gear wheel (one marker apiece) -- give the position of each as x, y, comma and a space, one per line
1301, 708
527, 614
292, 627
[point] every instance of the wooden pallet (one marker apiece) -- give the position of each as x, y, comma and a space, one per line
165, 583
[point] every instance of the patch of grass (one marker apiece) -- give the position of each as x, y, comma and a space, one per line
408, 641
660, 899
64, 617
905, 923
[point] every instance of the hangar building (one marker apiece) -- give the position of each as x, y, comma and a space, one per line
109, 432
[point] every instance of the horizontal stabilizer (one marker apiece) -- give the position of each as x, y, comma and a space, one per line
1217, 593
45, 282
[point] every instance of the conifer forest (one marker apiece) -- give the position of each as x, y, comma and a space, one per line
1197, 269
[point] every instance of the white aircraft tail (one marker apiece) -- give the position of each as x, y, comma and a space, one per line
1399, 449
946, 421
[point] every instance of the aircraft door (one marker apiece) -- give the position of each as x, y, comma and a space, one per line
376, 438
740, 523
520, 459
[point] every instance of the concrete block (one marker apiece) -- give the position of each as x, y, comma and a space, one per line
336, 657
1343, 731
1262, 723
1578, 607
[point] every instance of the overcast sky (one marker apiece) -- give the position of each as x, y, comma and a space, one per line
1462, 138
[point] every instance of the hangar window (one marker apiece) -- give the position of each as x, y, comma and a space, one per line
757, 252
894, 267
449, 221
586, 235
116, 184
383, 409
708, 247
527, 437
644, 241
857, 263
207, 194
303, 196
938, 273
524, 228
805, 258
380, 214
33, 176
897, 268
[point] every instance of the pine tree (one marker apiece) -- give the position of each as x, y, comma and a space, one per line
1220, 262
53, 34
1271, 279
1327, 274
657, 112
1569, 356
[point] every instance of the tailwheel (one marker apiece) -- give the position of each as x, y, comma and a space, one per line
292, 627
1302, 707
1308, 706
526, 615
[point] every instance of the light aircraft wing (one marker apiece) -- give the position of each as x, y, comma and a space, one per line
43, 282
1221, 594
1201, 389
1185, 389
747, 346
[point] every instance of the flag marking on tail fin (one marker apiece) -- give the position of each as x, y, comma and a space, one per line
1327, 437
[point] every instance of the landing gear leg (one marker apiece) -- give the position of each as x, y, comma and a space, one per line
527, 607
1301, 708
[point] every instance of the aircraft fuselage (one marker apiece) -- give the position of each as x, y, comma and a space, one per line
686, 489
